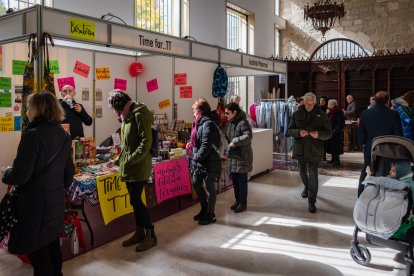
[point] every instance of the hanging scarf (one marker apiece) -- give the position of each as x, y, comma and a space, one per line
332, 112
194, 130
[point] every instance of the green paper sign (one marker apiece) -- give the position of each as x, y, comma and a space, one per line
5, 83
18, 66
82, 29
5, 100
54, 66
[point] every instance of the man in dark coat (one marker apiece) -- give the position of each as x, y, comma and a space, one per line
75, 113
377, 121
309, 126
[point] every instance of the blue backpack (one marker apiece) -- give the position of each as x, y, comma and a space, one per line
220, 82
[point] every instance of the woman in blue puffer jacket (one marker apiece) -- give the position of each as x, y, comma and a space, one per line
405, 107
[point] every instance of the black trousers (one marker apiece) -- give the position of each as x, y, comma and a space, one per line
47, 261
309, 174
240, 181
142, 217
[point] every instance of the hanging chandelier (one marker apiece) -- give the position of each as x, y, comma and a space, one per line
323, 15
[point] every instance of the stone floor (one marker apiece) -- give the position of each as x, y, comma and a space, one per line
276, 236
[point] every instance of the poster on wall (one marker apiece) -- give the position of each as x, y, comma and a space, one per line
5, 83
103, 74
164, 104
6, 124
5, 99
18, 67
82, 29
54, 66
186, 92
98, 111
66, 81
180, 79
98, 94
152, 85
17, 123
120, 84
81, 69
85, 94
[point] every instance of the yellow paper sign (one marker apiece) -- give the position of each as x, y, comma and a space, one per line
82, 29
164, 104
6, 124
102, 74
113, 197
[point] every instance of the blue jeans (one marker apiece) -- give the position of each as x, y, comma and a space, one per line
240, 187
207, 202
310, 180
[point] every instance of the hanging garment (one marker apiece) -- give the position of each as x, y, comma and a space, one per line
48, 82
220, 82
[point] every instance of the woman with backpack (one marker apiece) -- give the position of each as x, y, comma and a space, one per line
206, 161
240, 155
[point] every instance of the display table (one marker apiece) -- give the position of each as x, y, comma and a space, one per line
262, 146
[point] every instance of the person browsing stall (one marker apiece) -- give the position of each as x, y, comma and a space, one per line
75, 113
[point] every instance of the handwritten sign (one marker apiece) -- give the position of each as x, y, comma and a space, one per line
102, 74
17, 123
82, 29
120, 84
164, 104
5, 99
186, 91
18, 66
6, 124
180, 79
5, 83
81, 69
54, 66
66, 81
113, 197
152, 85
171, 179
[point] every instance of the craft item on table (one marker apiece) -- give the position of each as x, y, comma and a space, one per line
83, 189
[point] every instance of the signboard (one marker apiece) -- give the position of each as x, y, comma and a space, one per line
82, 29
66, 81
180, 79
6, 124
54, 66
17, 123
152, 85
5, 83
18, 67
102, 74
257, 63
171, 179
5, 99
186, 91
120, 84
81, 69
164, 104
113, 197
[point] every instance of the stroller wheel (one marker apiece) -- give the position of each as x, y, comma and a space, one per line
365, 255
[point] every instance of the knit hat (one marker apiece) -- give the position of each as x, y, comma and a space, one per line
403, 168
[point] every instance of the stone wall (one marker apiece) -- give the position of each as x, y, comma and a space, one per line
375, 24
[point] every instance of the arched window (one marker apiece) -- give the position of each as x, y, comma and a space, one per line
339, 48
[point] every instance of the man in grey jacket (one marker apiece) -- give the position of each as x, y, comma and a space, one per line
351, 109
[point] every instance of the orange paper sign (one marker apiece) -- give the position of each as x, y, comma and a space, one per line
180, 79
186, 91
81, 69
164, 104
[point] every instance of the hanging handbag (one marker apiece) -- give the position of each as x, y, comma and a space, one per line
28, 80
7, 213
48, 82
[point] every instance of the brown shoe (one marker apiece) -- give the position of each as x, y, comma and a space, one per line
235, 204
149, 241
240, 208
138, 237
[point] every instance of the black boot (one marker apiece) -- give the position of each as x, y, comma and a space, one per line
210, 218
311, 207
304, 193
138, 237
200, 215
149, 241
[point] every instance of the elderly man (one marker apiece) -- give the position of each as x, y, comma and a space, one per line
75, 114
377, 121
309, 126
351, 109
371, 102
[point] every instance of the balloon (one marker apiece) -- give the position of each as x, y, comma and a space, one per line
135, 69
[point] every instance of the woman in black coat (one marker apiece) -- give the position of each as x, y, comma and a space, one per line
42, 169
206, 162
335, 145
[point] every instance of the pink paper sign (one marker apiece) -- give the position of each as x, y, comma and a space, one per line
152, 85
120, 84
81, 69
180, 79
66, 81
186, 91
171, 179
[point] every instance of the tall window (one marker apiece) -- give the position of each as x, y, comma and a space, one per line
162, 16
277, 42
21, 4
277, 7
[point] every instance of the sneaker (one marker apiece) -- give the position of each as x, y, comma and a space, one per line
240, 208
311, 207
304, 193
207, 220
235, 204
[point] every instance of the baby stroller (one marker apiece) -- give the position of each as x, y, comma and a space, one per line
384, 151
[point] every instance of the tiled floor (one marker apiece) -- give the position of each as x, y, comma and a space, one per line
276, 236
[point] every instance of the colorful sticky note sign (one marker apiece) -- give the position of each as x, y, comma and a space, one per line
120, 84
66, 81
102, 74
152, 85
5, 83
180, 79
54, 66
82, 29
5, 99
6, 124
17, 123
164, 104
186, 91
81, 69
18, 67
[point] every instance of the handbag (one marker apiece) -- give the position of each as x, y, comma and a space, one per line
8, 213
48, 82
